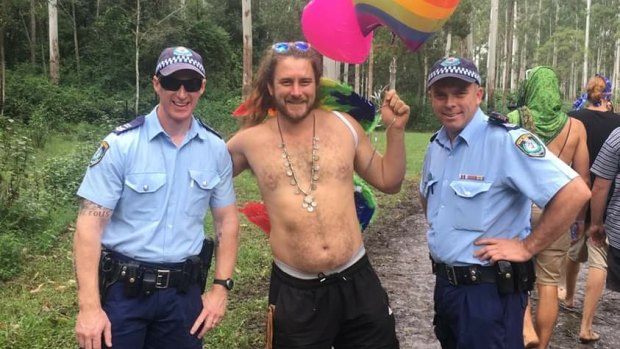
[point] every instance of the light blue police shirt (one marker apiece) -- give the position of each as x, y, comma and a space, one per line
481, 186
159, 193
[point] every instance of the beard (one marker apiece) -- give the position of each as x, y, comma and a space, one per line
294, 110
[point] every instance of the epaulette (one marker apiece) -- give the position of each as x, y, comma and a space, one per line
434, 136
137, 122
498, 119
208, 128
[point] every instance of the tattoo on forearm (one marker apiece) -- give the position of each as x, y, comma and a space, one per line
89, 208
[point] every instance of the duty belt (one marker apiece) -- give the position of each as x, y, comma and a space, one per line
145, 278
465, 275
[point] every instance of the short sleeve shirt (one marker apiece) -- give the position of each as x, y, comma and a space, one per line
607, 166
482, 184
159, 193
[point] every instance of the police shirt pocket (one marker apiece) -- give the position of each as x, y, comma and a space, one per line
469, 204
145, 194
200, 190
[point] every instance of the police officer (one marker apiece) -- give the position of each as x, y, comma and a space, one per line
478, 178
144, 199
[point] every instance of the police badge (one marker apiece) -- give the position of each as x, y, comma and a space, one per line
531, 146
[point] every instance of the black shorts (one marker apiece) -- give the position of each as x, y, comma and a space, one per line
613, 269
349, 309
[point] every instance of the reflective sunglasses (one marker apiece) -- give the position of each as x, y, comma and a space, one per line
282, 47
171, 84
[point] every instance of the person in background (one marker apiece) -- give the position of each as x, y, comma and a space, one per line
595, 110
323, 290
476, 189
140, 251
605, 220
540, 111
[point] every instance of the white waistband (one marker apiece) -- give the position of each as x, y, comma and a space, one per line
310, 276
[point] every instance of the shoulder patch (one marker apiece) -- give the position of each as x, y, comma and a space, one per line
531, 146
137, 122
208, 128
103, 148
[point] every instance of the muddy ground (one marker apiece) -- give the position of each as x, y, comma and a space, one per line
396, 244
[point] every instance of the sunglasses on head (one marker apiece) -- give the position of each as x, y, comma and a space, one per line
282, 47
172, 84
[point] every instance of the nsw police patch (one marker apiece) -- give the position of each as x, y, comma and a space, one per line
103, 148
531, 146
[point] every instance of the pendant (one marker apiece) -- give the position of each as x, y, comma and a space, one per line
309, 203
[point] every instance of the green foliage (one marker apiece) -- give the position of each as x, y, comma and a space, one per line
215, 110
10, 256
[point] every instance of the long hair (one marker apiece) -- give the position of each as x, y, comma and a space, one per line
260, 100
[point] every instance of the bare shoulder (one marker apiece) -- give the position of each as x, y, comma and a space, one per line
246, 138
578, 125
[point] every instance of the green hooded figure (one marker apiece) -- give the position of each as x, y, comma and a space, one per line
539, 107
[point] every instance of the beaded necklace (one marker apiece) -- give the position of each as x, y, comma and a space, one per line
309, 202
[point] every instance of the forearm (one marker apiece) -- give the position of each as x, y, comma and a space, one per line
227, 230
394, 162
558, 215
92, 219
598, 203
87, 251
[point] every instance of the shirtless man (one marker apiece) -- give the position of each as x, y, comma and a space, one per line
323, 290
566, 138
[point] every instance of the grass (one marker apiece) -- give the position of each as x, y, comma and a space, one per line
38, 307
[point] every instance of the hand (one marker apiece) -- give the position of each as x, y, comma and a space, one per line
89, 327
502, 249
213, 308
597, 234
394, 112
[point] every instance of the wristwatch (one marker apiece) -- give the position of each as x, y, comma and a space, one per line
228, 283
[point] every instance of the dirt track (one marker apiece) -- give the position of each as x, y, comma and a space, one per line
396, 244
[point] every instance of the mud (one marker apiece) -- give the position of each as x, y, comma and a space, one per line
396, 244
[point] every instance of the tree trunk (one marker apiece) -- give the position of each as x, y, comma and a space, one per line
345, 73
33, 33
137, 43
52, 9
515, 48
470, 44
491, 55
371, 65
538, 31
586, 44
75, 38
448, 44
246, 21
393, 73
554, 61
97, 9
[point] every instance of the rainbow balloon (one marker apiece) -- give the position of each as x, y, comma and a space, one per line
414, 21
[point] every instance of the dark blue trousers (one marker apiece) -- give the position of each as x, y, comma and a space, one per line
161, 320
477, 316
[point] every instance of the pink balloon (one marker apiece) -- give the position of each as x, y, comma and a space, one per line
331, 27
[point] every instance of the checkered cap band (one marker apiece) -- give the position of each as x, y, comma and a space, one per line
464, 70
170, 61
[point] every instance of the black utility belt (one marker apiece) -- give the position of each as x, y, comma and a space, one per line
509, 276
144, 278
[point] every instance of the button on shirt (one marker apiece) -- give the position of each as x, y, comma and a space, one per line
482, 185
159, 193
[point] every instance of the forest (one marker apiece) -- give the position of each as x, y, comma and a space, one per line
72, 70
